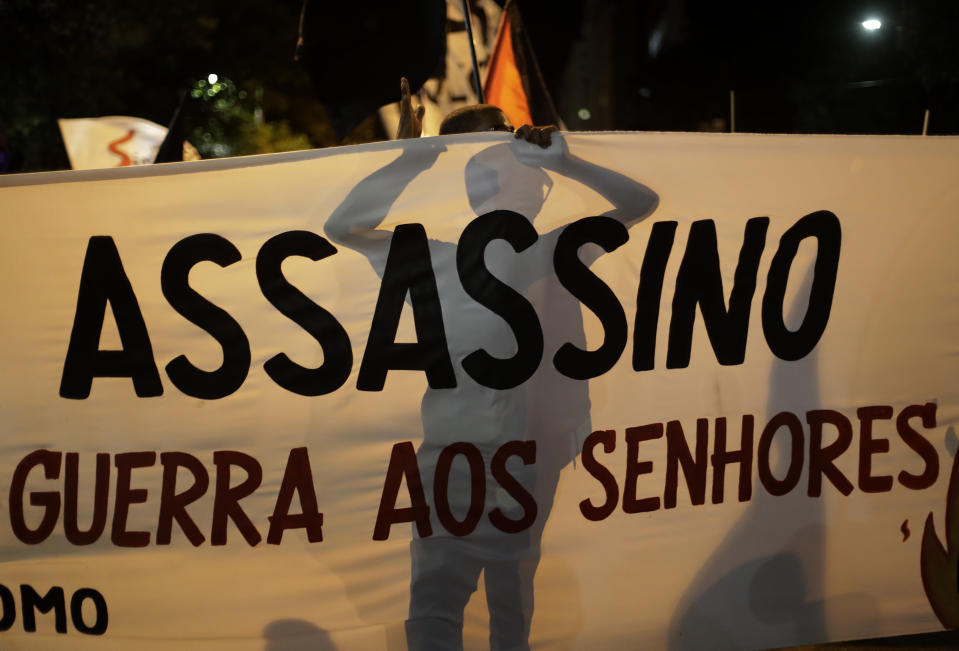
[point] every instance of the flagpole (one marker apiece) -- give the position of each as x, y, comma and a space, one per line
171, 149
468, 17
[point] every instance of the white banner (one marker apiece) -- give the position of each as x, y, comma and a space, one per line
112, 141
634, 391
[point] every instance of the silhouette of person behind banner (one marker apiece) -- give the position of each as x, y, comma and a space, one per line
506, 185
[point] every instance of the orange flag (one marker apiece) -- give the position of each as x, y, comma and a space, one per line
513, 80
504, 85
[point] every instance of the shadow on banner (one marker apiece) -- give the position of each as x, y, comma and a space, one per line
296, 635
491, 406
765, 582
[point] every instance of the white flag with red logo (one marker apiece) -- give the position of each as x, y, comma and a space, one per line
112, 141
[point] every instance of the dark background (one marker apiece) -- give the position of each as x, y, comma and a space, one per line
803, 67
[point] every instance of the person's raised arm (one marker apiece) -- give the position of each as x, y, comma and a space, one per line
632, 201
411, 120
355, 222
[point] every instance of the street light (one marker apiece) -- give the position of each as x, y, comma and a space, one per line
871, 24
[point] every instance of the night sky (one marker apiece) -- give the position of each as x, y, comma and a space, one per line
805, 67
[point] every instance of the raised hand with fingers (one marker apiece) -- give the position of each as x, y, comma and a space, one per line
411, 121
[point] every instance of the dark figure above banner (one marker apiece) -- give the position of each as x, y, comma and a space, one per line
469, 119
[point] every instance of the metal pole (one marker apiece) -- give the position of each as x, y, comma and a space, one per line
468, 17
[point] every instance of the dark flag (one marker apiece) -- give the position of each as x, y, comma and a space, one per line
513, 80
357, 51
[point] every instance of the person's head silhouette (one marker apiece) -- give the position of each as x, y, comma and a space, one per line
475, 119
497, 178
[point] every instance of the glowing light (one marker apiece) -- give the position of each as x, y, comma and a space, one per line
584, 114
871, 24
212, 77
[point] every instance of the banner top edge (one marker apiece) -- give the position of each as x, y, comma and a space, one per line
239, 162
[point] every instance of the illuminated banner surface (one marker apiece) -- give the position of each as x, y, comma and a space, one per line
634, 391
